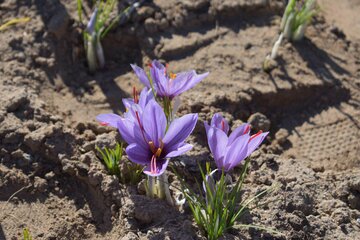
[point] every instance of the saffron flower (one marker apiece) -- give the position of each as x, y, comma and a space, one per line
230, 150
133, 106
90, 27
167, 85
149, 142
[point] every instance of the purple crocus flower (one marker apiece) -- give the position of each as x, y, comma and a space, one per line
229, 151
149, 142
166, 85
134, 106
90, 28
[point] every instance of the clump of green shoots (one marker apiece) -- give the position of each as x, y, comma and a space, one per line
96, 29
98, 26
127, 172
221, 207
298, 14
26, 234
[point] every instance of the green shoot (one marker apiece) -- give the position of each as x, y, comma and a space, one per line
220, 208
26, 234
111, 158
127, 172
297, 15
13, 22
79, 9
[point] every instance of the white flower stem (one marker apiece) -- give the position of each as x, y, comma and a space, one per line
158, 187
276, 46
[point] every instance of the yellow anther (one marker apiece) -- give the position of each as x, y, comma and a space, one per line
152, 146
172, 75
158, 152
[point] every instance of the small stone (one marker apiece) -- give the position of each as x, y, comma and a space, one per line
141, 187
49, 175
40, 184
150, 25
164, 24
18, 100
130, 236
281, 135
248, 46
88, 146
259, 122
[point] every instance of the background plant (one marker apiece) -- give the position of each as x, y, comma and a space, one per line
297, 15
13, 21
99, 24
26, 234
126, 171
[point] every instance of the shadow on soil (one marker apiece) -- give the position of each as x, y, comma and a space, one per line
84, 197
319, 61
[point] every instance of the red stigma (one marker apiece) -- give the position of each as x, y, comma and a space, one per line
150, 65
141, 127
255, 135
223, 125
104, 123
135, 95
138, 119
153, 165
247, 129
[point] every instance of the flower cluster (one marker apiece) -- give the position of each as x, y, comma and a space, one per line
154, 135
151, 138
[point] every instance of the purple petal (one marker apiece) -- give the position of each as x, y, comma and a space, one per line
220, 122
157, 65
138, 154
160, 81
128, 102
141, 74
179, 130
217, 141
241, 130
130, 132
185, 81
181, 149
236, 152
161, 166
108, 119
154, 122
145, 96
90, 28
255, 142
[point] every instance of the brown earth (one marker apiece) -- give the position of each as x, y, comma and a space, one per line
52, 182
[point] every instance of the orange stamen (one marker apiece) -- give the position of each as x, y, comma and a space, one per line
152, 146
172, 75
